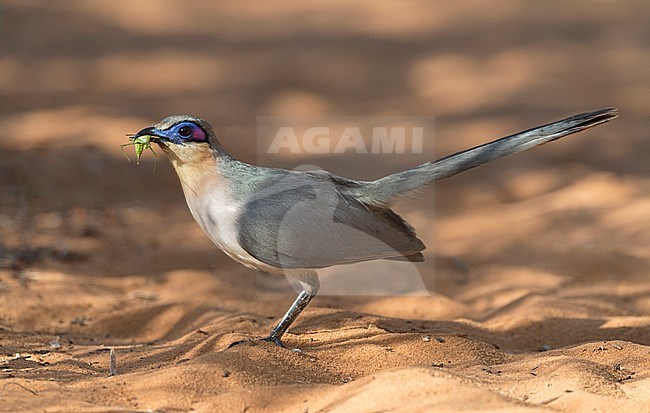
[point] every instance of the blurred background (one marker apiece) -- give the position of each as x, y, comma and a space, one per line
76, 76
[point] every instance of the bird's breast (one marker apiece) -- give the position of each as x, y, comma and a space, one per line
217, 211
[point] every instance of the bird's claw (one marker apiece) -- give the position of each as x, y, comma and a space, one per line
272, 339
276, 340
238, 342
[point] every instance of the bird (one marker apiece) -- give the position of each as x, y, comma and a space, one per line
295, 223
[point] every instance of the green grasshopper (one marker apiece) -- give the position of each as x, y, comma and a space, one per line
141, 144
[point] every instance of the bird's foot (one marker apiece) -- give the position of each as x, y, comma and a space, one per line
276, 340
272, 339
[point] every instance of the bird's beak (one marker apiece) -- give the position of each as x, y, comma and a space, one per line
155, 134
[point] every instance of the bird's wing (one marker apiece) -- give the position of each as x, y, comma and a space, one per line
305, 221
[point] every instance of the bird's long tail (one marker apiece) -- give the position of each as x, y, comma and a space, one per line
385, 189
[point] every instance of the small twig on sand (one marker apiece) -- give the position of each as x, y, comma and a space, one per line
21, 386
113, 364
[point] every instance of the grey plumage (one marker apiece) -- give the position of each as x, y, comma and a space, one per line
384, 190
294, 222
318, 219
306, 220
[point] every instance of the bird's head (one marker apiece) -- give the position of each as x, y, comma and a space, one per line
184, 138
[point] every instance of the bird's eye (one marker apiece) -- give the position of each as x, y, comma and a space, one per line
185, 131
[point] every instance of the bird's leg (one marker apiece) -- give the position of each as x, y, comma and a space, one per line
294, 311
310, 285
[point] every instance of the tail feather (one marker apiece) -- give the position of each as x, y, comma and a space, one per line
383, 190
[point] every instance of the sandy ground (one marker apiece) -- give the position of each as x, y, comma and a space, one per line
538, 266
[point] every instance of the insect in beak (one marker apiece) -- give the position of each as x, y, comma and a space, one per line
141, 143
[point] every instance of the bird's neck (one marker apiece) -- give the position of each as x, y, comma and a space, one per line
196, 165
